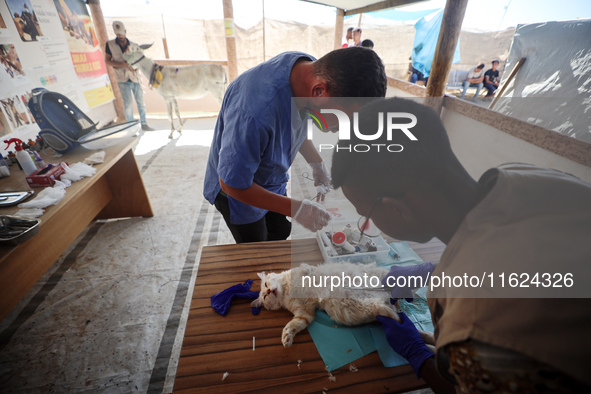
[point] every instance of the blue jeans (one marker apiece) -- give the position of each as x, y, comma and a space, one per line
468, 84
126, 88
491, 88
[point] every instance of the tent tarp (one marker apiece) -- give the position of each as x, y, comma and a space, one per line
425, 42
553, 87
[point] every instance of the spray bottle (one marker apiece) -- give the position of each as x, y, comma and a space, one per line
23, 157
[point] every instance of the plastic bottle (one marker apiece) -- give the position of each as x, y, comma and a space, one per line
23, 157
10, 158
39, 141
39, 160
32, 145
4, 171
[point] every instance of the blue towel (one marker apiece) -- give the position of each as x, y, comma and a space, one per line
222, 301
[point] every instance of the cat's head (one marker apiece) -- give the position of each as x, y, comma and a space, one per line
272, 291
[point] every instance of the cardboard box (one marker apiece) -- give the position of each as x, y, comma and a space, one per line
48, 176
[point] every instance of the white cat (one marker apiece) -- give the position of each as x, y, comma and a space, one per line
344, 305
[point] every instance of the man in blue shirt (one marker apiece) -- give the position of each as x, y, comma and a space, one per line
259, 131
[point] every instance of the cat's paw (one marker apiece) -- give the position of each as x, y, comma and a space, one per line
287, 338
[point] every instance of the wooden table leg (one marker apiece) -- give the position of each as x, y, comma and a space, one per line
129, 194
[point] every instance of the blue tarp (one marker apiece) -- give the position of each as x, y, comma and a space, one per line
426, 42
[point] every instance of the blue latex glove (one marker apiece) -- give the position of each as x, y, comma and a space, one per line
421, 270
222, 301
406, 340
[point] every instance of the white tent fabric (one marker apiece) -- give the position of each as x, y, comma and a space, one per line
553, 87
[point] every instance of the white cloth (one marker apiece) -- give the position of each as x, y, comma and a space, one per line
95, 158
77, 171
47, 197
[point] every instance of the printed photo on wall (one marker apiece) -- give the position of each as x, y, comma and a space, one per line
76, 21
5, 127
25, 19
24, 98
10, 60
11, 68
15, 112
4, 32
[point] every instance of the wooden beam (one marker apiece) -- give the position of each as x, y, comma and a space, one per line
230, 33
451, 25
98, 21
338, 28
164, 42
506, 82
178, 62
381, 6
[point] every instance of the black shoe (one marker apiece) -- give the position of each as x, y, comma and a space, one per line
145, 127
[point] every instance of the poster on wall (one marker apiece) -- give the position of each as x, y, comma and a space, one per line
25, 19
86, 55
49, 44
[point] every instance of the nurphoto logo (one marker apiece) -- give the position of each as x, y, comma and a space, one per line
390, 122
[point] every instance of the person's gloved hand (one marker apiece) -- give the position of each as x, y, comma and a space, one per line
312, 215
390, 281
406, 340
322, 179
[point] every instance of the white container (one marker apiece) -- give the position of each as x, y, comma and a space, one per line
24, 159
361, 257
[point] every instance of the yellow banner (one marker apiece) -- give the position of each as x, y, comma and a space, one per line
98, 96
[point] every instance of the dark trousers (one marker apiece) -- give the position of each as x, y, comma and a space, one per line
491, 88
271, 227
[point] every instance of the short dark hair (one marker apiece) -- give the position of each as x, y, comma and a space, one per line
359, 30
350, 29
367, 43
481, 65
420, 160
352, 72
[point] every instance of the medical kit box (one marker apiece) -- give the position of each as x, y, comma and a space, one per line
46, 176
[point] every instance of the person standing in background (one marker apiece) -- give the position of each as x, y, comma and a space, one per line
127, 78
491, 79
357, 37
348, 40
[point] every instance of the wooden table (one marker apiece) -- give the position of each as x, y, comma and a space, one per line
115, 191
214, 344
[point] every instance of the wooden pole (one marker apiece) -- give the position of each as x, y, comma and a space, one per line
164, 43
230, 32
338, 28
101, 33
506, 82
451, 25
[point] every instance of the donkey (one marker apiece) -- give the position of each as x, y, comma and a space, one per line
185, 82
